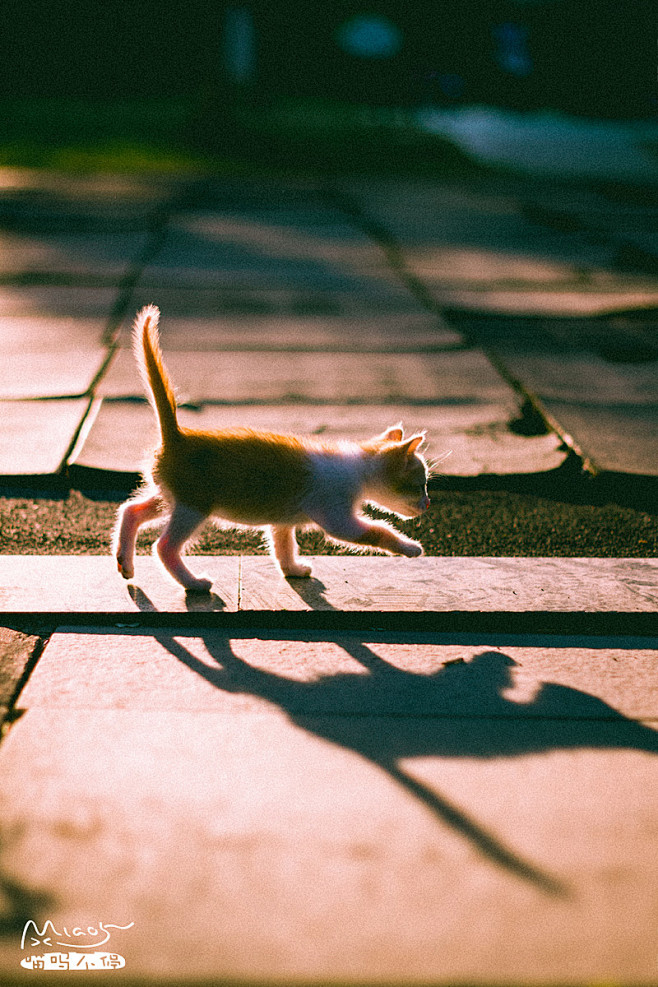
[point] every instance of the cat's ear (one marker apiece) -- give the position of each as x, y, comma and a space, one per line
410, 445
395, 433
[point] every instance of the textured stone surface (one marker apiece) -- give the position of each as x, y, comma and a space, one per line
53, 305
90, 583
375, 378
103, 256
444, 584
213, 330
367, 674
621, 439
49, 356
476, 436
574, 302
36, 435
271, 846
50, 375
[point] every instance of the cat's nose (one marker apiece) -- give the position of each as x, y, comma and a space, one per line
424, 503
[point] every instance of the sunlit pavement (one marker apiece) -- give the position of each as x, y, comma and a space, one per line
438, 770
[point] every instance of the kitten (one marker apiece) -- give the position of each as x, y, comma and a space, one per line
264, 480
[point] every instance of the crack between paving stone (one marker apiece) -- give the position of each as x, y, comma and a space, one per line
126, 289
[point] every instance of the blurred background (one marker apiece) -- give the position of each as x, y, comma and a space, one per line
151, 79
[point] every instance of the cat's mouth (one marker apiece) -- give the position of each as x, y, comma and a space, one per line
418, 508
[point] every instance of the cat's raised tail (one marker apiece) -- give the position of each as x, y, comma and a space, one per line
146, 344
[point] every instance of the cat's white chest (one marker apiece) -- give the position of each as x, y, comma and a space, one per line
336, 481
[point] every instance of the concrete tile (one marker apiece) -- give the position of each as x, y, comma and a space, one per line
91, 584
454, 263
332, 378
618, 438
476, 436
67, 255
59, 302
548, 303
337, 675
249, 250
282, 235
49, 356
36, 435
219, 332
193, 270
49, 333
446, 584
422, 213
49, 375
261, 299
585, 378
239, 848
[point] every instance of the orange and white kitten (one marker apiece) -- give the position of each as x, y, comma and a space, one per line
264, 480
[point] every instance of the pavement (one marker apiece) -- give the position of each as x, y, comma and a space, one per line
439, 770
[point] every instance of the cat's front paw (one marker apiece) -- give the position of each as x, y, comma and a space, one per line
412, 549
297, 571
198, 586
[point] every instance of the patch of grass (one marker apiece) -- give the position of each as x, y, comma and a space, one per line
184, 135
478, 522
96, 135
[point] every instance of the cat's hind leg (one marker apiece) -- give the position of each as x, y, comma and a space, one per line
181, 526
284, 548
132, 515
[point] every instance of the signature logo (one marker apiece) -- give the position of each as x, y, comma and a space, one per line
73, 940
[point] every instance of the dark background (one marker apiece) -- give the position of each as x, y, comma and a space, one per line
588, 57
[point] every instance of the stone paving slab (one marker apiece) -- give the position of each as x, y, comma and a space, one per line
558, 303
272, 846
401, 332
36, 435
598, 382
368, 674
476, 248
617, 438
309, 233
60, 303
90, 584
321, 250
428, 214
193, 270
584, 375
447, 584
626, 222
49, 356
110, 255
50, 375
476, 436
331, 378
259, 299
611, 410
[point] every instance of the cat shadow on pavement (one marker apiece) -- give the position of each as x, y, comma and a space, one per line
389, 714
194, 602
